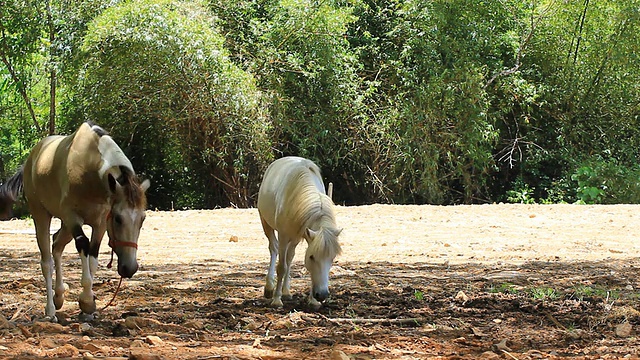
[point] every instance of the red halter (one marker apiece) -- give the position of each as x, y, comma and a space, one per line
113, 243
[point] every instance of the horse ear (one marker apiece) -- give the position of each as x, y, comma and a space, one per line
145, 185
112, 182
310, 234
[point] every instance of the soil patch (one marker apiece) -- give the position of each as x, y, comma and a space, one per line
414, 282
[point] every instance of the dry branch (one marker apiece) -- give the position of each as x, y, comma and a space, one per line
555, 321
378, 321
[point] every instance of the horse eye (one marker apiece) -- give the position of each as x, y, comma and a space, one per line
312, 258
118, 219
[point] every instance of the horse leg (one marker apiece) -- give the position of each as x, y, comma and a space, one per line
286, 281
42, 222
60, 239
281, 270
97, 233
94, 249
86, 299
270, 282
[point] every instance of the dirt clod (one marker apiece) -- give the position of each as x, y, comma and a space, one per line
141, 355
64, 351
47, 327
153, 340
624, 330
339, 355
138, 322
461, 297
91, 347
48, 343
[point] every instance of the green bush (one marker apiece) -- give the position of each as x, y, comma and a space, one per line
606, 181
418, 101
158, 76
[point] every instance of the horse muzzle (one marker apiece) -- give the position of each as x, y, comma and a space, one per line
127, 252
321, 295
127, 270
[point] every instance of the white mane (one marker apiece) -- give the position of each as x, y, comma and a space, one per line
112, 157
311, 209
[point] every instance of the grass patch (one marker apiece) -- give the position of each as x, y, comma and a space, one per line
580, 292
543, 293
504, 288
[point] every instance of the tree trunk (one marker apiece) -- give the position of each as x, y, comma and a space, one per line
52, 73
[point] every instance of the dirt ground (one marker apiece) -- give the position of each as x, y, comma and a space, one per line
414, 282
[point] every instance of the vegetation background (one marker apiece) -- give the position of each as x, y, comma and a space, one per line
398, 101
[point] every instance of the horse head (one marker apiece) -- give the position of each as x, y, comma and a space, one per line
322, 249
125, 219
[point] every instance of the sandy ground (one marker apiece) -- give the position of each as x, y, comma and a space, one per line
407, 234
398, 262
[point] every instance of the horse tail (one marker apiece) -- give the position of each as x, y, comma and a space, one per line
11, 189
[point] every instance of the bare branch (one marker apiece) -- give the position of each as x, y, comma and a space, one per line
521, 48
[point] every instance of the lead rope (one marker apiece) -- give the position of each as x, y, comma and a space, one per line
119, 283
114, 295
109, 267
110, 261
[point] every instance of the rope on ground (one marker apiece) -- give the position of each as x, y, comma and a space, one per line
114, 295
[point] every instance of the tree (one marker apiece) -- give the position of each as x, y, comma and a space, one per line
157, 74
20, 31
584, 118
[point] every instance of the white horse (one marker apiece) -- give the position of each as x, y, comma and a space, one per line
83, 178
292, 201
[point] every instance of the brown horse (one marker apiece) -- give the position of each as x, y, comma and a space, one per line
83, 178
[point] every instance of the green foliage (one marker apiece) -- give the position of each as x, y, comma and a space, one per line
21, 27
521, 193
22, 84
606, 181
418, 101
505, 288
580, 55
157, 74
429, 133
581, 292
543, 293
589, 191
310, 71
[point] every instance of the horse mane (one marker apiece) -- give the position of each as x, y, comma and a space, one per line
312, 210
326, 244
114, 158
131, 185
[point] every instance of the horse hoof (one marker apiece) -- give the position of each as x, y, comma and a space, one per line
83, 317
50, 318
287, 297
314, 304
268, 293
87, 307
276, 303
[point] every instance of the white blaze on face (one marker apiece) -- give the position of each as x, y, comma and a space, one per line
319, 269
125, 227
